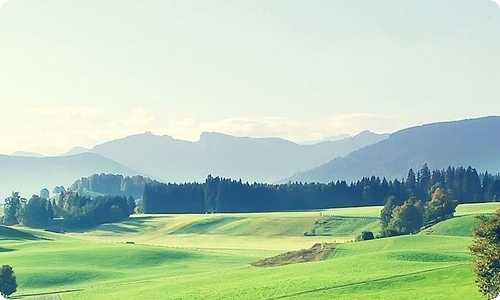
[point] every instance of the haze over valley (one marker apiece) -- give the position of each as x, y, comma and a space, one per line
249, 149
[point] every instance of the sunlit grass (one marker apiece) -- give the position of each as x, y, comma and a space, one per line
208, 257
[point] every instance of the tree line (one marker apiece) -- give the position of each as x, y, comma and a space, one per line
76, 211
218, 194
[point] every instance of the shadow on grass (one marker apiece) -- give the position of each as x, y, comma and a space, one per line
8, 233
123, 226
37, 296
138, 221
117, 228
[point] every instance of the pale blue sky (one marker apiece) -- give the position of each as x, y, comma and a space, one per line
81, 72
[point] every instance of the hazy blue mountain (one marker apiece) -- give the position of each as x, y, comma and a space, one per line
27, 154
249, 159
29, 175
76, 150
474, 142
330, 138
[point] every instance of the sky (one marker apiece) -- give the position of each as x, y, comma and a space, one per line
83, 72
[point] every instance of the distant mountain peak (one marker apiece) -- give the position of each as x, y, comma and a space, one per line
212, 134
76, 150
27, 154
365, 132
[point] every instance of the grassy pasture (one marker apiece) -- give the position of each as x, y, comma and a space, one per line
259, 233
345, 226
477, 208
208, 257
458, 226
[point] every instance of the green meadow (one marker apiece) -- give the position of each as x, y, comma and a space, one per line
209, 256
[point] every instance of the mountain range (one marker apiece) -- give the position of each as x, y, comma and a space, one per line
166, 159
250, 159
474, 142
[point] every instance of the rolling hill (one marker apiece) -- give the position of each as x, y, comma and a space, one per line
251, 159
210, 256
473, 142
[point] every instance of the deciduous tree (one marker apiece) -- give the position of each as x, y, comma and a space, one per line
10, 208
441, 206
486, 251
33, 213
406, 219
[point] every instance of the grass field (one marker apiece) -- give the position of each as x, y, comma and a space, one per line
209, 256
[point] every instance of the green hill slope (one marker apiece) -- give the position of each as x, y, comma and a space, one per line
456, 226
271, 233
8, 233
463, 222
209, 256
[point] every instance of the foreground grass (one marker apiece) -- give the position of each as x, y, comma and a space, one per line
375, 271
209, 256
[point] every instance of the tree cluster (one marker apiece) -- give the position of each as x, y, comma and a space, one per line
226, 195
409, 217
33, 212
85, 212
111, 184
76, 210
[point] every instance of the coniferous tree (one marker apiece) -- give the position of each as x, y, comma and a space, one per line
424, 182
410, 184
131, 204
212, 201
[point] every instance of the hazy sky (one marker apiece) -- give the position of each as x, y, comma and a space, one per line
81, 72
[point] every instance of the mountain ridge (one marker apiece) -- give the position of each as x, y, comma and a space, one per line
466, 142
250, 159
29, 175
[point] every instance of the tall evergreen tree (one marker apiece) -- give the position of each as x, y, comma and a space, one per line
410, 184
424, 182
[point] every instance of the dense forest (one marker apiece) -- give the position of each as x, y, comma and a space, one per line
426, 195
217, 194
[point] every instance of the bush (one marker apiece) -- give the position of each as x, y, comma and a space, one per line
367, 235
8, 282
